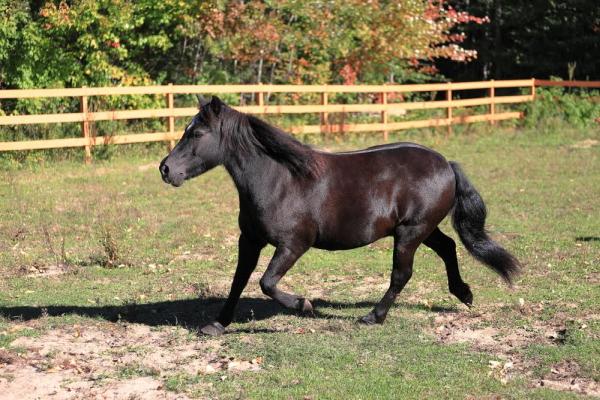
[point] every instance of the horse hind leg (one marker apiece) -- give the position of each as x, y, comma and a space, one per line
406, 241
445, 248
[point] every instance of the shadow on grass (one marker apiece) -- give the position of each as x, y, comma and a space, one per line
193, 313
587, 239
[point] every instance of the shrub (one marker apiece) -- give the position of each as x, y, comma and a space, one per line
555, 105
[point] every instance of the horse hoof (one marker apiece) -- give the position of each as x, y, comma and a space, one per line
306, 307
464, 294
368, 319
213, 329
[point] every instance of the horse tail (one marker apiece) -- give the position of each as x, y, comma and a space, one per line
468, 219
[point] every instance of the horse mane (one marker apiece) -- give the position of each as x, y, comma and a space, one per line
250, 135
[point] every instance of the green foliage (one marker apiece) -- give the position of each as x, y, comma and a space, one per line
125, 42
54, 44
82, 43
555, 105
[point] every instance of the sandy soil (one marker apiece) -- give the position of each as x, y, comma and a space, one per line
108, 361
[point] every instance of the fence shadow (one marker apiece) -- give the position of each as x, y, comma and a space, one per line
587, 239
194, 313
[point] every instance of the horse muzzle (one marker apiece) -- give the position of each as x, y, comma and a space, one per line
169, 175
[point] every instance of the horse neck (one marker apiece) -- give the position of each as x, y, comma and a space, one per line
251, 173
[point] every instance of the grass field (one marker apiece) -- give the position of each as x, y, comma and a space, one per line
106, 273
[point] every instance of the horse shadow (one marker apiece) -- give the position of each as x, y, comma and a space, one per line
195, 313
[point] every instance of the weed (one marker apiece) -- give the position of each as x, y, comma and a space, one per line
111, 256
59, 255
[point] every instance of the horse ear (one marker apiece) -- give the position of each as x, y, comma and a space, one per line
202, 101
216, 105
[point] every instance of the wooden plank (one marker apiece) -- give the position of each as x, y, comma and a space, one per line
85, 127
513, 99
512, 83
384, 115
171, 118
191, 89
376, 127
94, 116
449, 110
492, 94
165, 136
43, 144
78, 92
138, 138
582, 84
293, 109
40, 118
274, 109
130, 114
324, 115
81, 142
260, 97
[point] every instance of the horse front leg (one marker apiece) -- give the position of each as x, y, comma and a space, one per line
283, 259
248, 253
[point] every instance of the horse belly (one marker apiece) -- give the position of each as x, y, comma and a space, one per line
356, 237
356, 227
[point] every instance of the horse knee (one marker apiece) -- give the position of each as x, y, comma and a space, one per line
267, 286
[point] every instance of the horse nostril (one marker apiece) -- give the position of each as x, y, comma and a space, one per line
164, 170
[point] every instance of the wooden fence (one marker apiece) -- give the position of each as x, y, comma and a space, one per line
382, 106
579, 84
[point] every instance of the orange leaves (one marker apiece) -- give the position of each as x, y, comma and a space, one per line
57, 15
349, 74
337, 40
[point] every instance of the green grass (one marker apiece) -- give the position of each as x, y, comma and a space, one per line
173, 245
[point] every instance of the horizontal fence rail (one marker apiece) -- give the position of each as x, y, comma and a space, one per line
383, 107
579, 84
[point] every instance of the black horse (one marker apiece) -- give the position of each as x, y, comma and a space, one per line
295, 198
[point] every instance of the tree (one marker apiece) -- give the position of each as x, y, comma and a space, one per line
126, 42
539, 38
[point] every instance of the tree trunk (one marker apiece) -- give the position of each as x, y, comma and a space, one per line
260, 67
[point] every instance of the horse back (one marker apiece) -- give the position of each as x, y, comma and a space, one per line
368, 193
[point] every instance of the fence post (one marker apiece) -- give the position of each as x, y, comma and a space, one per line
260, 97
492, 102
171, 118
384, 115
85, 128
532, 89
449, 111
324, 115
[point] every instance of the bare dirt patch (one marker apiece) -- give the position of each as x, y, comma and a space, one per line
478, 330
110, 361
46, 270
475, 328
564, 376
585, 144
